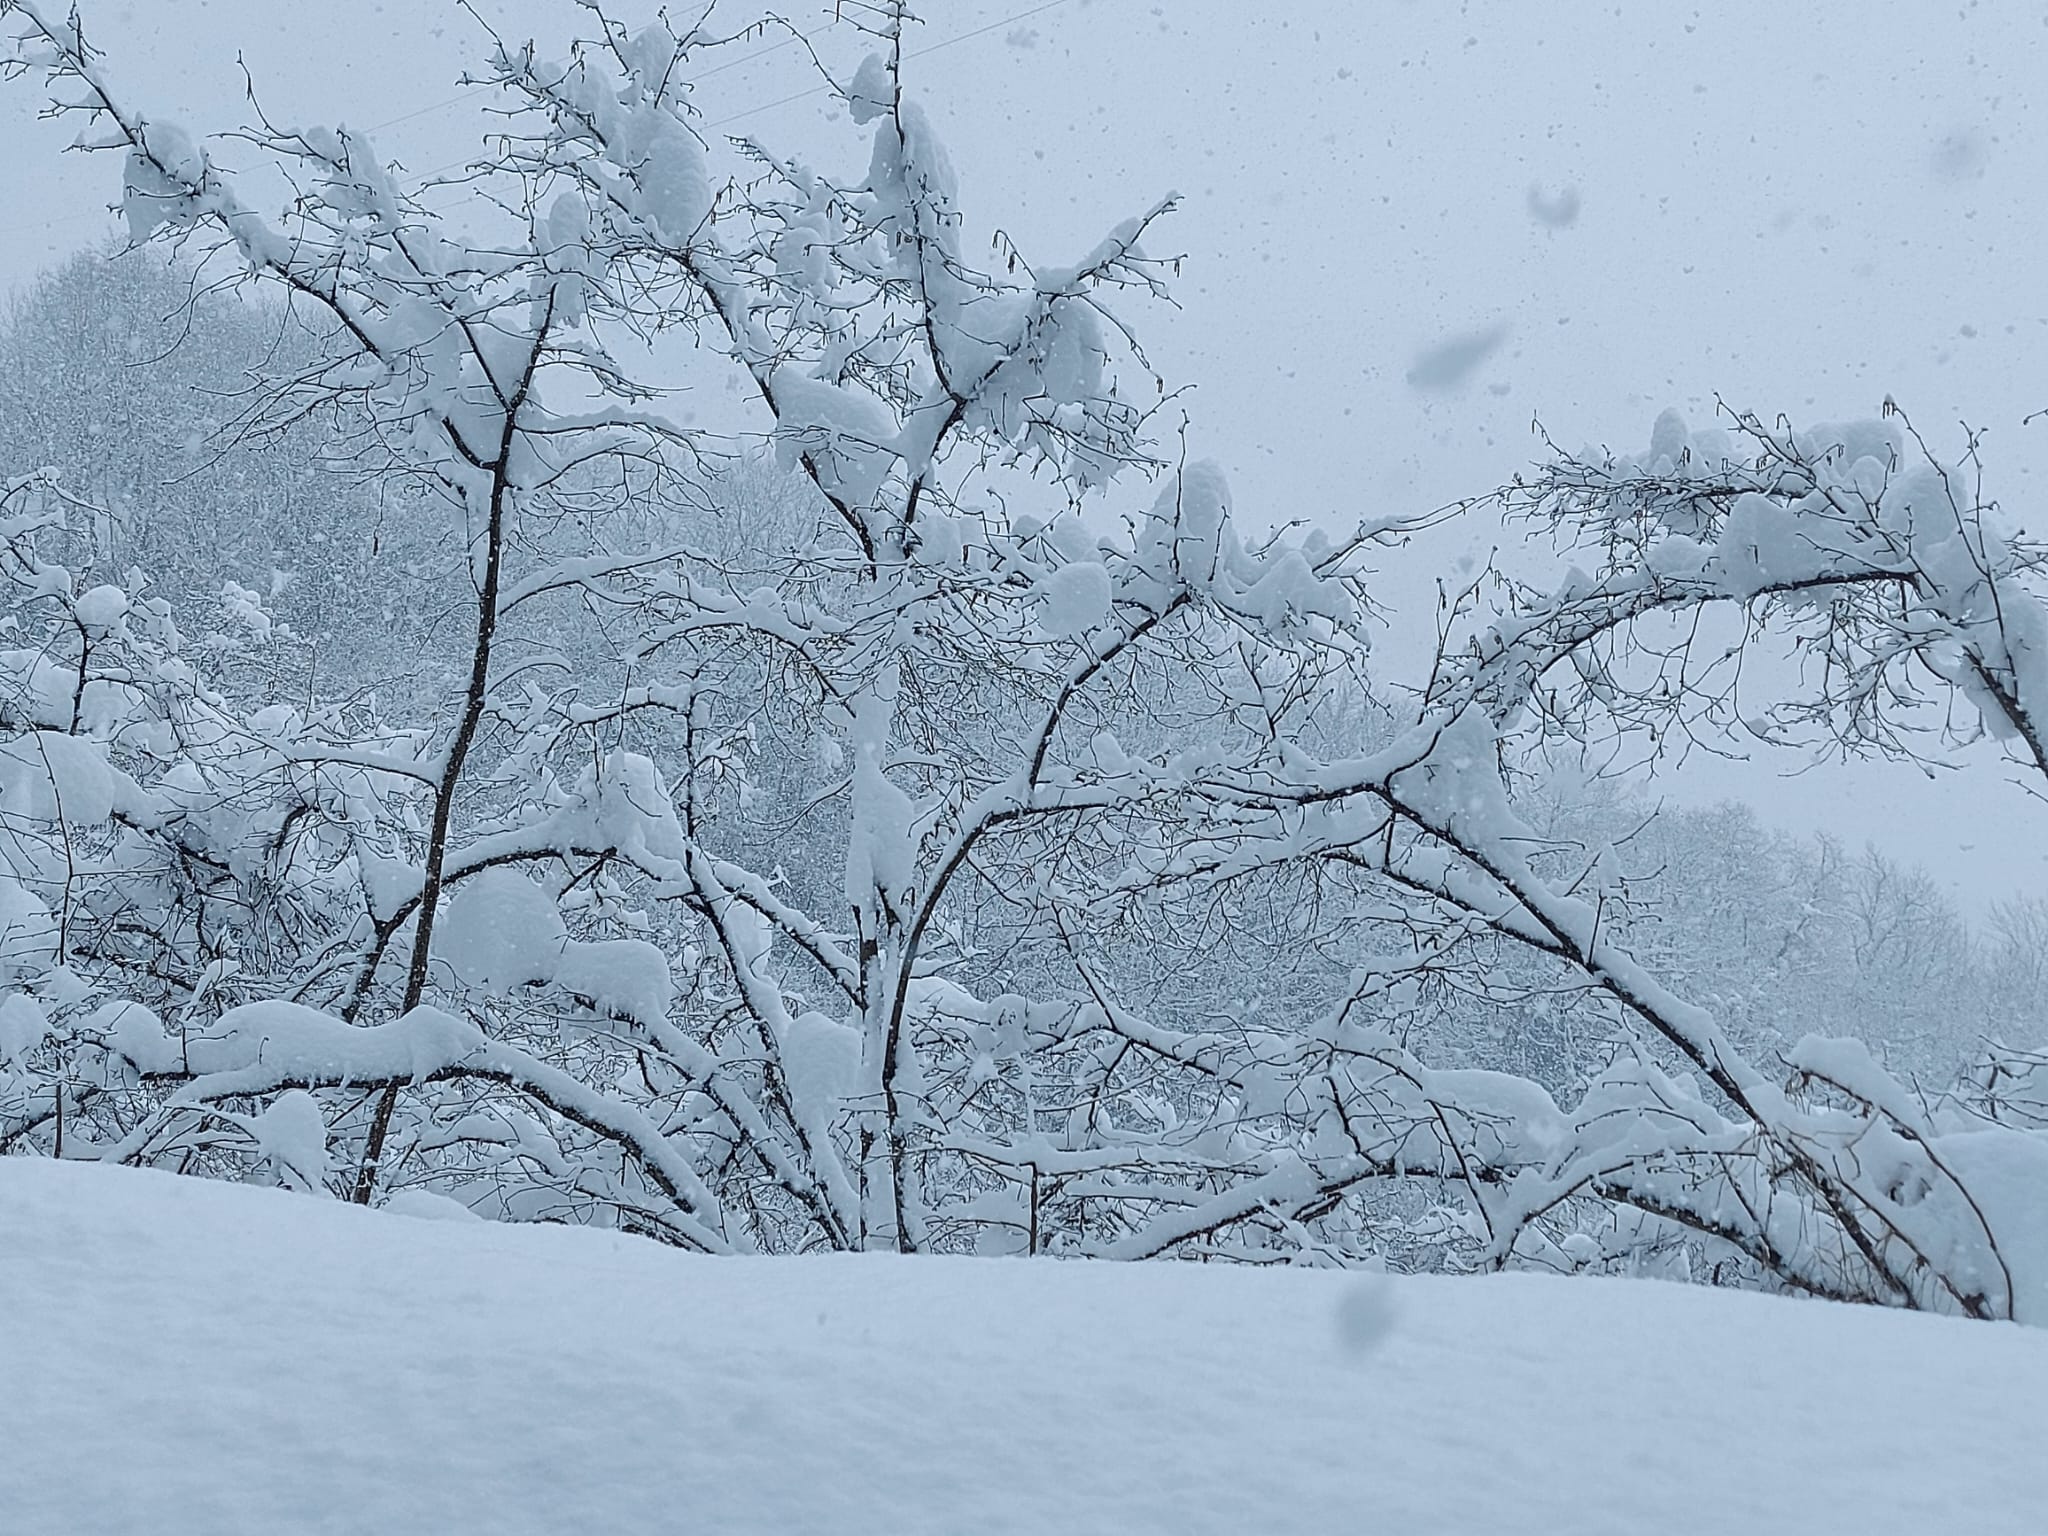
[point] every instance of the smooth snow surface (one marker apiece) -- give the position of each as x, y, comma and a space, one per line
181, 1356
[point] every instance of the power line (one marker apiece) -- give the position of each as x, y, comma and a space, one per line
453, 101
1039, 10
816, 90
762, 53
717, 69
916, 53
759, 53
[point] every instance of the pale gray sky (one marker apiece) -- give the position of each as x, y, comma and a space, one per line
1799, 207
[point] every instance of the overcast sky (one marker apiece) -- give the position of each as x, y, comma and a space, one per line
1412, 228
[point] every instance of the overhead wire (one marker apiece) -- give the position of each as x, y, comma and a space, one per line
915, 53
717, 69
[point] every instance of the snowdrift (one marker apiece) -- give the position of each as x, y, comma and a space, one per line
184, 1356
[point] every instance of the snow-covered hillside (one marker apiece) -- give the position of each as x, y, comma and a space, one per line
185, 1356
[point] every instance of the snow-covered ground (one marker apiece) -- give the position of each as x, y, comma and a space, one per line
179, 1356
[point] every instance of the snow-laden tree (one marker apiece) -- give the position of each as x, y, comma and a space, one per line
909, 638
1013, 857
1918, 618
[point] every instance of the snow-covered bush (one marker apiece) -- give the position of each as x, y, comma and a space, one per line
905, 882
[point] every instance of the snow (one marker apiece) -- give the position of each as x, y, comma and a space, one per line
1451, 361
501, 932
425, 1205
1077, 598
101, 608
821, 1068
23, 1027
257, 1047
49, 776
624, 978
292, 1138
2006, 1175
198, 1356
872, 92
